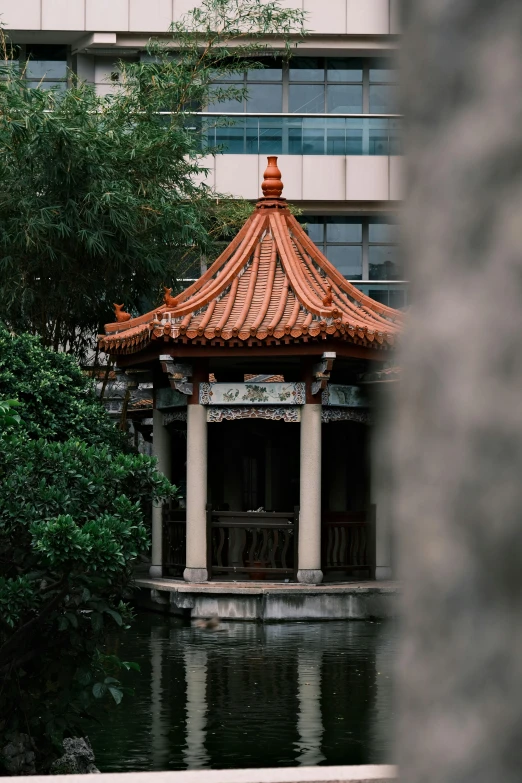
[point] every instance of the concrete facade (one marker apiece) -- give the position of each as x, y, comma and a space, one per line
344, 178
335, 17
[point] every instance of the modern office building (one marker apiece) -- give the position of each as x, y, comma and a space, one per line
330, 115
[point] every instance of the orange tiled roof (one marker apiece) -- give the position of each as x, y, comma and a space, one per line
271, 284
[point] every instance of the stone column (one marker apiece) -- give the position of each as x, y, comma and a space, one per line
309, 555
196, 563
161, 449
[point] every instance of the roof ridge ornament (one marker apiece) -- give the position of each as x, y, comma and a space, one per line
272, 185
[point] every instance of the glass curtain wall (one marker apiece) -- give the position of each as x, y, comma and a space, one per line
364, 250
312, 85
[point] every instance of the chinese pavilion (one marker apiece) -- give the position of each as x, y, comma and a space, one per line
260, 415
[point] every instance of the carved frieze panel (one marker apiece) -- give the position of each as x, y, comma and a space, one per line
273, 413
344, 396
174, 416
346, 414
252, 393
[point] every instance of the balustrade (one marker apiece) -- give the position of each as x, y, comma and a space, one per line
262, 544
255, 543
348, 542
174, 540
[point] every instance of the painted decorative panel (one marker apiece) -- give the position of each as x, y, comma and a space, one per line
344, 396
270, 412
252, 393
170, 398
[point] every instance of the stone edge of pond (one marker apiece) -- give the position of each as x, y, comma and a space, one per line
357, 774
246, 588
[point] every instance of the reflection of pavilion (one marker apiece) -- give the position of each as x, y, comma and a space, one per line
258, 365
263, 695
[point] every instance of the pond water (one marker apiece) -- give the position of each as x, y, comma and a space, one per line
250, 695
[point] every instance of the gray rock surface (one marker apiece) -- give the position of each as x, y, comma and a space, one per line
457, 434
18, 756
78, 758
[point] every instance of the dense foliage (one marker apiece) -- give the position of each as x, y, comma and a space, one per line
55, 400
102, 197
74, 507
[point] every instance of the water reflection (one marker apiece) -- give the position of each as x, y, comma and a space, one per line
309, 716
249, 695
194, 755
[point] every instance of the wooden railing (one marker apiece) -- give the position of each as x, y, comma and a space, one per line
174, 540
258, 544
348, 542
263, 545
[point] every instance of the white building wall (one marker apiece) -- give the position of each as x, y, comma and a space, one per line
327, 17
311, 177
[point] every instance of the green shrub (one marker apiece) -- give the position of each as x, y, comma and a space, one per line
74, 510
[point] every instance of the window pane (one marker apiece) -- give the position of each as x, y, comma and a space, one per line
46, 60
347, 259
226, 106
382, 71
379, 295
383, 99
314, 227
342, 69
47, 69
270, 135
265, 98
341, 229
295, 140
313, 141
232, 138
384, 262
346, 99
397, 298
379, 137
306, 98
307, 69
231, 77
383, 231
47, 85
272, 72
336, 140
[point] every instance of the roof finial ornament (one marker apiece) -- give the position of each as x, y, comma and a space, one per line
120, 313
272, 186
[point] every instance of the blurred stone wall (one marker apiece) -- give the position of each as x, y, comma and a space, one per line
456, 435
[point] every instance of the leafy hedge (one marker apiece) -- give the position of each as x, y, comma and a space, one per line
74, 508
56, 400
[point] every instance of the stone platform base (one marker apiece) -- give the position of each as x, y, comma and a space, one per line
269, 601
